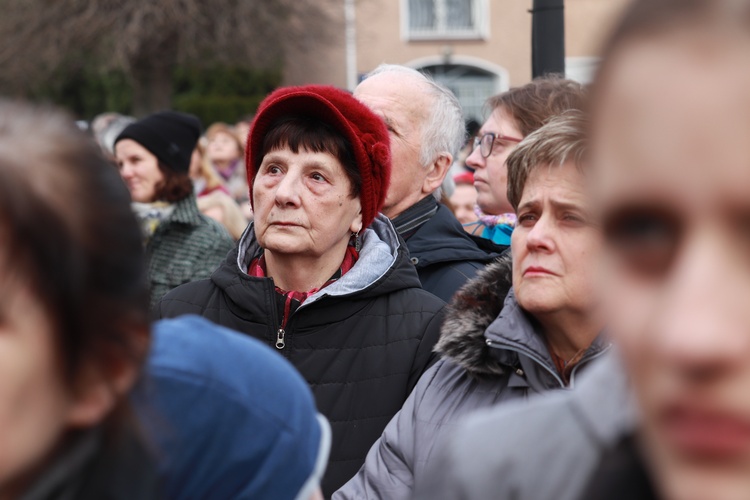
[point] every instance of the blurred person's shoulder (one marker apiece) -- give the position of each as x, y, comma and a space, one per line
192, 344
543, 448
229, 417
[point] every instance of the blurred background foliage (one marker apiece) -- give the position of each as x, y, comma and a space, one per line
214, 58
220, 93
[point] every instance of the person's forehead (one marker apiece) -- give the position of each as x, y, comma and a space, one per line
129, 146
561, 184
393, 95
499, 122
674, 115
221, 134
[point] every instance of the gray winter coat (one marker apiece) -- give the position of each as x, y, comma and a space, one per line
484, 363
545, 449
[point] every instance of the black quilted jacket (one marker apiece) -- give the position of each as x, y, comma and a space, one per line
361, 343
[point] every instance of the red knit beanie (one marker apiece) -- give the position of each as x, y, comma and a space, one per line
362, 128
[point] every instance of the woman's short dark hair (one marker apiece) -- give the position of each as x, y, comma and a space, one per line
69, 234
303, 132
176, 186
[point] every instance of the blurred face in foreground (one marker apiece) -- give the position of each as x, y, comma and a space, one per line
672, 133
33, 400
36, 406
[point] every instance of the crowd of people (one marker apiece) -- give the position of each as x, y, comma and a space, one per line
302, 311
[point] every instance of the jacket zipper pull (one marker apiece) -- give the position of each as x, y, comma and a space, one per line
280, 339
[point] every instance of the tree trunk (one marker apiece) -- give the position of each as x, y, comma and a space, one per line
152, 90
152, 71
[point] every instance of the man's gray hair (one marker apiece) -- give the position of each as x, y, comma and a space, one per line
443, 131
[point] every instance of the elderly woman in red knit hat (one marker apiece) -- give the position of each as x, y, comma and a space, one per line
319, 273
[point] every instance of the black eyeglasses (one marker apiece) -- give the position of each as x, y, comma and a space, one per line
486, 142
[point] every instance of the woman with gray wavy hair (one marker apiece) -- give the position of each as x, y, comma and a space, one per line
520, 327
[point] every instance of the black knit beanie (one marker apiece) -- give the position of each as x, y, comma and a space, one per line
169, 135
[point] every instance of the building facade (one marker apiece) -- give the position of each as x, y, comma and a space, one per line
477, 48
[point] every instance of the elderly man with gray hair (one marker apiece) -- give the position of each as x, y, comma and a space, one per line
427, 130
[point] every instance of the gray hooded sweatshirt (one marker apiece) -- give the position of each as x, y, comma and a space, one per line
546, 449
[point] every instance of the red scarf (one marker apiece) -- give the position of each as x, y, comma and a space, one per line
294, 299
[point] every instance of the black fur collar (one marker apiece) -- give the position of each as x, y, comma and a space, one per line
471, 311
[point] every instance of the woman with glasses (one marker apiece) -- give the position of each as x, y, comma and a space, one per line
515, 114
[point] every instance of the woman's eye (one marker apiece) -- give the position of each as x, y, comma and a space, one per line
645, 240
526, 219
575, 218
273, 169
316, 176
499, 147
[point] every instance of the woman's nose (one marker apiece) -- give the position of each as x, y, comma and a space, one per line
701, 329
475, 159
287, 190
541, 235
125, 171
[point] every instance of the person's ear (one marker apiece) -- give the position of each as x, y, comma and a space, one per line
92, 399
436, 172
357, 224
99, 386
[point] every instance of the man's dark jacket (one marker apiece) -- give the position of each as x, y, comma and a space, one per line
446, 256
361, 343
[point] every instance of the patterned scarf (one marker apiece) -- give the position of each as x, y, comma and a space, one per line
150, 215
227, 171
508, 219
292, 299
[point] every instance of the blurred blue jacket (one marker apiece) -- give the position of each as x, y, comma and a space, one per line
228, 417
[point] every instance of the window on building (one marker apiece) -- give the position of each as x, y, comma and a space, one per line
430, 19
471, 86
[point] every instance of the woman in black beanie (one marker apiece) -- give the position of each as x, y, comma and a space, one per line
182, 245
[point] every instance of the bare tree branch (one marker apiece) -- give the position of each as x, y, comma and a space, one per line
148, 39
